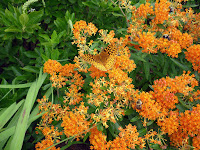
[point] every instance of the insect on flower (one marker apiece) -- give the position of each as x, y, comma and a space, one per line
166, 36
103, 61
139, 104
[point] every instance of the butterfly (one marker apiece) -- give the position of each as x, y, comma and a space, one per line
103, 61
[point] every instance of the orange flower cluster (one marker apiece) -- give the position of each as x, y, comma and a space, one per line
45, 144
51, 137
98, 140
113, 91
189, 125
161, 11
81, 31
193, 55
53, 68
183, 39
147, 41
66, 74
127, 139
169, 124
156, 138
107, 37
196, 142
149, 108
124, 63
190, 121
191, 22
96, 73
118, 76
75, 122
144, 10
164, 22
172, 48
166, 88
53, 111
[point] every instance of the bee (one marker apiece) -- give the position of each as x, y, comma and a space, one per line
171, 9
166, 36
139, 104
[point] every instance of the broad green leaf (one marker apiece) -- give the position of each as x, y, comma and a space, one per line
60, 23
134, 119
31, 69
100, 127
190, 5
142, 131
55, 54
7, 133
179, 64
23, 18
9, 16
12, 29
150, 122
54, 37
31, 54
61, 34
16, 141
45, 36
8, 113
146, 70
35, 17
45, 58
16, 86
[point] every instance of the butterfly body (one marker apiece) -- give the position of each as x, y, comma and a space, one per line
103, 61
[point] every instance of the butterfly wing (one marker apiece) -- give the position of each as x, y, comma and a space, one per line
111, 50
110, 62
108, 56
103, 61
94, 60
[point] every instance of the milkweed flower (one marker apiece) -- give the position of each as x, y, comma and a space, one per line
75, 122
193, 55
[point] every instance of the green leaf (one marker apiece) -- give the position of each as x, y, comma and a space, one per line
117, 14
7, 133
31, 54
70, 25
45, 36
61, 34
179, 64
12, 29
147, 70
142, 131
31, 69
16, 141
155, 146
45, 58
54, 37
55, 54
8, 113
9, 16
166, 67
16, 86
134, 119
150, 122
23, 18
60, 23
190, 5
129, 111
35, 17
100, 127
135, 56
